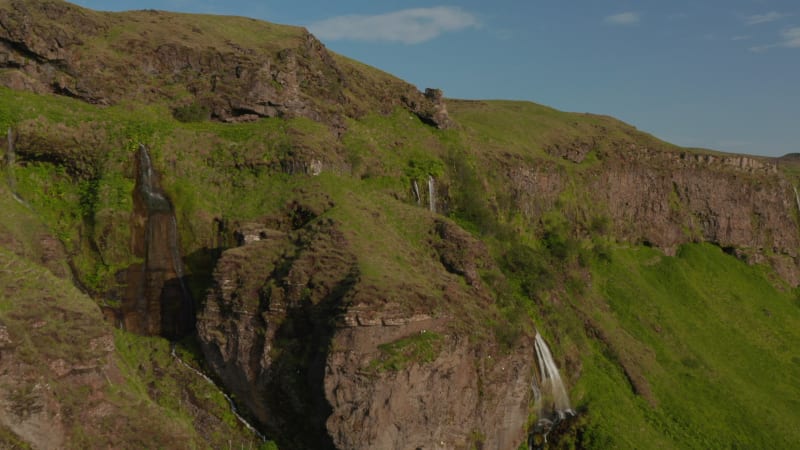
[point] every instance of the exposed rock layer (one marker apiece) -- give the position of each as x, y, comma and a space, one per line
665, 197
52, 46
299, 336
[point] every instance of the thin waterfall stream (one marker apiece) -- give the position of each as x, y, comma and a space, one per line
232, 405
415, 187
551, 401
796, 198
156, 300
431, 193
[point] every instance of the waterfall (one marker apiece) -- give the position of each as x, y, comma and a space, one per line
431, 193
232, 405
415, 188
550, 396
160, 210
155, 201
796, 198
187, 311
551, 387
157, 300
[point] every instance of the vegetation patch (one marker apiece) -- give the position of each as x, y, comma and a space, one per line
420, 348
193, 112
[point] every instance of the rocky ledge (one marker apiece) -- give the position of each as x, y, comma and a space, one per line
324, 358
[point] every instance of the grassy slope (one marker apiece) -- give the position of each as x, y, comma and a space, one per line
714, 338
695, 326
152, 398
709, 338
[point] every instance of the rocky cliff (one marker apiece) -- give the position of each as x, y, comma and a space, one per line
656, 194
667, 198
370, 262
269, 71
67, 380
325, 358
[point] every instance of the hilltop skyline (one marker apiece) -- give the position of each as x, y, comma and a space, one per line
720, 75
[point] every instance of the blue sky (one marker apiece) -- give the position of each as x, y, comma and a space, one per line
721, 74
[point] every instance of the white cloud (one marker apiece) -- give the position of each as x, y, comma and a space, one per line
791, 38
771, 16
625, 18
409, 26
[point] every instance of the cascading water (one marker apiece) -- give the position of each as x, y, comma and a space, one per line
155, 201
796, 198
431, 193
550, 396
156, 301
551, 384
232, 405
415, 188
187, 312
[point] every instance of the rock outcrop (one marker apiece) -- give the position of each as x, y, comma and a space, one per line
278, 71
323, 358
666, 197
62, 381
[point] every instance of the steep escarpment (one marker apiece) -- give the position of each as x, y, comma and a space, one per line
666, 198
649, 192
324, 357
736, 202
257, 70
371, 264
68, 379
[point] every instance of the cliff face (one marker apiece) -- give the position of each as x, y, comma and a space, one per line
324, 358
68, 380
664, 197
467, 395
270, 71
347, 314
736, 202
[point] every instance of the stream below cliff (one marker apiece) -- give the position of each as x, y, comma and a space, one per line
231, 404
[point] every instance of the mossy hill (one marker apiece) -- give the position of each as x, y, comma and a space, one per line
406, 244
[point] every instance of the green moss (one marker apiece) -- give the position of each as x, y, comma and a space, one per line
193, 112
177, 391
419, 348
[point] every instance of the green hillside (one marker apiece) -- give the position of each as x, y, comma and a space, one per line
503, 223
711, 338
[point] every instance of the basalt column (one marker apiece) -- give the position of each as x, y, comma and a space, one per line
156, 301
